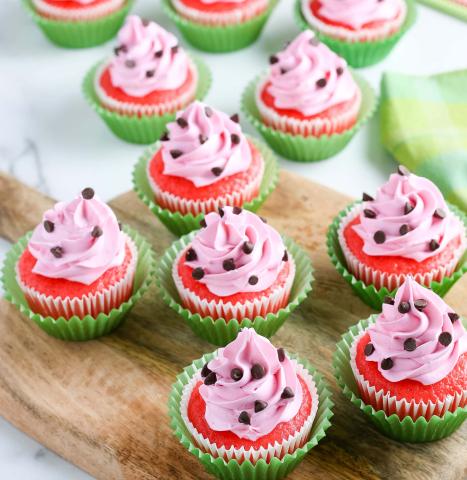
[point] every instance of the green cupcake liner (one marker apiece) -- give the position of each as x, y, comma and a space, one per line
180, 224
221, 39
219, 331
274, 470
75, 328
448, 6
368, 293
360, 54
308, 149
80, 34
406, 430
147, 128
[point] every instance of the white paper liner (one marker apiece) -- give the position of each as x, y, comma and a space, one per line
278, 450
362, 35
91, 12
381, 400
128, 108
276, 300
313, 127
239, 15
174, 203
100, 302
371, 276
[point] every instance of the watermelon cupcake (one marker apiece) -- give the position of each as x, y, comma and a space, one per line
411, 361
79, 23
250, 406
147, 80
309, 104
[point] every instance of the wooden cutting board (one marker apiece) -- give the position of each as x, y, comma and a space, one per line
103, 404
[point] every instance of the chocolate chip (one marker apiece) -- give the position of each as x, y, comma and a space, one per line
339, 71
57, 252
369, 349
235, 118
221, 212
216, 171
190, 255
281, 354
387, 364
247, 247
175, 49
130, 64
244, 418
205, 371
257, 371
379, 237
287, 393
235, 138
283, 70
404, 230
165, 137
150, 73
253, 280
202, 223
202, 138
228, 264
314, 41
176, 153
159, 54
145, 22
236, 210
453, 316
96, 232
439, 213
236, 374
263, 219
410, 344
369, 213
404, 307
120, 226
197, 273
445, 339
420, 304
388, 300
87, 193
321, 83
182, 122
273, 59
285, 257
434, 245
401, 170
208, 111
260, 405
120, 48
49, 226
408, 208
367, 198
211, 379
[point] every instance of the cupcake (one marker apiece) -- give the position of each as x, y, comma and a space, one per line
147, 80
237, 268
250, 406
79, 23
309, 104
362, 31
411, 360
220, 26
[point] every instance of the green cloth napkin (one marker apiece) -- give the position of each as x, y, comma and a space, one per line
424, 126
448, 6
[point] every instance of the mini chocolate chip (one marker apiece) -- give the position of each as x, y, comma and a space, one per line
145, 22
216, 171
379, 237
367, 198
244, 418
369, 349
211, 379
57, 252
404, 307
439, 213
283, 70
408, 208
208, 111
434, 245
314, 41
197, 273
263, 219
130, 63
253, 280
159, 54
445, 339
221, 212
165, 137
281, 354
260, 405
235, 138
388, 300
228, 264
190, 255
453, 316
236, 210
49, 226
410, 344
182, 122
202, 223
96, 232
150, 73
120, 226
339, 71
285, 257
257, 371
202, 138
401, 170
404, 230
235, 118
273, 59
321, 83
287, 393
175, 49
247, 247
87, 193
176, 153
420, 304
387, 364
120, 48
236, 374
369, 213
205, 371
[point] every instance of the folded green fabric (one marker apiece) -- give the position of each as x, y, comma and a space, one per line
424, 126
451, 7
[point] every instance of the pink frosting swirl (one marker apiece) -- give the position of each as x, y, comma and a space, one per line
228, 398
412, 203
147, 59
308, 77
225, 241
78, 241
204, 146
423, 344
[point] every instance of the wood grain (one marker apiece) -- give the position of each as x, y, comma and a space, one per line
103, 404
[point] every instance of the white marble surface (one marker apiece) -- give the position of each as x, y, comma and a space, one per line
51, 139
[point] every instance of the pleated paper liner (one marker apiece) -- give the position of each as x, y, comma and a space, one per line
219, 331
83, 33
276, 468
451, 7
405, 430
361, 54
180, 224
223, 38
371, 295
143, 129
87, 328
308, 149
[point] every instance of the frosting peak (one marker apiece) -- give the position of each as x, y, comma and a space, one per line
77, 241
147, 59
205, 145
418, 337
249, 386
